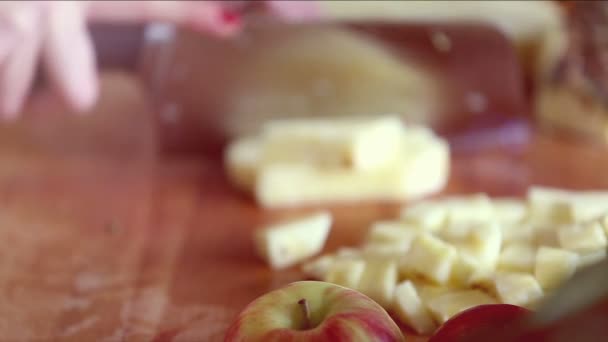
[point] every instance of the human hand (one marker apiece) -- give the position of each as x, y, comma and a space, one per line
55, 32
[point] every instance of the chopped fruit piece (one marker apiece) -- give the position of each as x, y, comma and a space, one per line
410, 310
463, 269
432, 258
517, 232
468, 209
447, 305
394, 251
427, 215
421, 170
428, 292
554, 266
287, 243
241, 162
318, 267
546, 235
583, 238
483, 243
354, 143
391, 232
517, 257
517, 288
346, 273
348, 253
591, 258
509, 210
379, 280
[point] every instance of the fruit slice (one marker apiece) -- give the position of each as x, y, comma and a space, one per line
481, 323
317, 268
517, 257
447, 305
241, 162
391, 232
346, 273
483, 244
475, 208
431, 258
287, 243
583, 238
517, 288
517, 232
554, 266
379, 280
354, 143
422, 169
410, 310
463, 269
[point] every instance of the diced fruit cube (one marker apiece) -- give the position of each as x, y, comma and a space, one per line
428, 292
546, 235
463, 269
517, 288
431, 258
483, 243
391, 251
379, 280
287, 243
391, 233
468, 209
410, 310
427, 215
318, 267
517, 232
346, 272
587, 259
554, 266
582, 238
447, 305
518, 257
509, 210
241, 161
347, 253
548, 205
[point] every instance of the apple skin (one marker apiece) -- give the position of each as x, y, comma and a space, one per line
491, 322
337, 314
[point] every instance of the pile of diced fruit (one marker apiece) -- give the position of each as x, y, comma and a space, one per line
440, 256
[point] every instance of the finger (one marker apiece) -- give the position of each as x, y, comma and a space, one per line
206, 16
18, 68
294, 11
68, 54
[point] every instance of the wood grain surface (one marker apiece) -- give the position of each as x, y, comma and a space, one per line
105, 238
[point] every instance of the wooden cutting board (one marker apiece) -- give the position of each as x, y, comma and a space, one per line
101, 239
106, 237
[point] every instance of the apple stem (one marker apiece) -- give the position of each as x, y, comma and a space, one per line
303, 303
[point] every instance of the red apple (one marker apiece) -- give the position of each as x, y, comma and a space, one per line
314, 311
492, 322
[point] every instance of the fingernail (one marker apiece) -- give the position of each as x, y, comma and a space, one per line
231, 17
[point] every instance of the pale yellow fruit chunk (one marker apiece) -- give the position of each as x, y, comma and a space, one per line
318, 267
463, 269
509, 210
241, 160
447, 305
410, 310
554, 266
427, 215
346, 273
421, 169
389, 251
517, 288
483, 243
354, 143
391, 233
287, 243
517, 232
582, 238
518, 257
431, 258
469, 209
379, 280
587, 259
